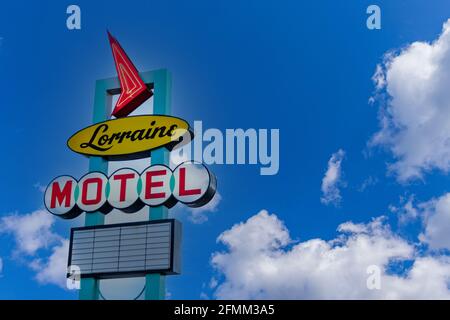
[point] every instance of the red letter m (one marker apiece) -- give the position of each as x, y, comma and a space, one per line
60, 196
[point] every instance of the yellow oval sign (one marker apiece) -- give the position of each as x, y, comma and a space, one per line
129, 135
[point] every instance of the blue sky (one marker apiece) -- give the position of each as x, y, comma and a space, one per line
303, 67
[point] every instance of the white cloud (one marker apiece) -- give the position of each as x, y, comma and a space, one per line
213, 283
407, 211
434, 215
34, 233
332, 179
53, 269
1, 266
368, 182
198, 215
31, 231
436, 219
263, 262
414, 114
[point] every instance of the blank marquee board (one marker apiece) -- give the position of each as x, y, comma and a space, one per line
126, 249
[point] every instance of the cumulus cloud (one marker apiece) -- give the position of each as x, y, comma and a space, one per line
368, 182
436, 220
53, 269
31, 231
407, 211
434, 216
414, 115
261, 261
33, 234
199, 215
332, 179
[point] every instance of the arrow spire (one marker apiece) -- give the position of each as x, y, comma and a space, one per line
133, 89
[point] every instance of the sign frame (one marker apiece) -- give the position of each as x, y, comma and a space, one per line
160, 81
175, 252
132, 154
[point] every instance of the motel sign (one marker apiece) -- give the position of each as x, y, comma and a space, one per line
150, 249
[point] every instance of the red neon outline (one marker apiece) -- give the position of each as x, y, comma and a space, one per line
132, 94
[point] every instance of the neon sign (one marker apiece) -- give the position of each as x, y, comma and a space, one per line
131, 135
190, 183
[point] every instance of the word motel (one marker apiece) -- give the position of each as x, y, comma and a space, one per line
190, 183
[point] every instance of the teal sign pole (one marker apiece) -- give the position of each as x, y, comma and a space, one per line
104, 90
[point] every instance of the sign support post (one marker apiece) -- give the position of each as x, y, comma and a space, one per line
155, 283
104, 89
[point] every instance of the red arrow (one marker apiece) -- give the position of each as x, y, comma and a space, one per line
134, 91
